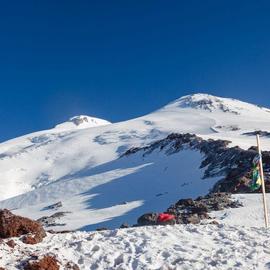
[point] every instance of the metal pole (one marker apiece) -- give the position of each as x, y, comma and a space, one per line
263, 185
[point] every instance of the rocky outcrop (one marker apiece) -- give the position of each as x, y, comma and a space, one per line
193, 211
54, 206
232, 164
53, 220
46, 263
148, 219
259, 132
16, 226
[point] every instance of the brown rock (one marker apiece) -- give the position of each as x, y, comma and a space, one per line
71, 266
214, 222
31, 239
11, 243
1, 268
46, 263
15, 226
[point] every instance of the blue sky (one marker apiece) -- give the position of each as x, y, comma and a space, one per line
121, 59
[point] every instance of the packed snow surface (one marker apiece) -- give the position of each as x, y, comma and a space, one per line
182, 247
225, 246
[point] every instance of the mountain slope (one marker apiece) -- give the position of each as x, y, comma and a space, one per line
81, 166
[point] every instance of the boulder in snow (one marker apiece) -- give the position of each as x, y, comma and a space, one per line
46, 263
15, 226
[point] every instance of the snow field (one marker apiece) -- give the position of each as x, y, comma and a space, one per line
182, 247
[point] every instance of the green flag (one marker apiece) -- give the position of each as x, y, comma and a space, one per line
256, 181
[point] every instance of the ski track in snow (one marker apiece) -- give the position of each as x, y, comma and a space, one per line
182, 247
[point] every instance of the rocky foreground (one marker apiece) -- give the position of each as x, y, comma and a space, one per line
24, 238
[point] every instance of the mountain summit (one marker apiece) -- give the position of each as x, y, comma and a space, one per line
82, 163
82, 121
213, 103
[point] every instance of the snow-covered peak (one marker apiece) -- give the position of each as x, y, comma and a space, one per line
213, 103
82, 121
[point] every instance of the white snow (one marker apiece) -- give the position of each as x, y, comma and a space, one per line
80, 122
187, 247
250, 215
78, 161
119, 191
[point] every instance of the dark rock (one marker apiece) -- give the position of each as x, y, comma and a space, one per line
71, 266
193, 211
147, 219
46, 263
199, 209
11, 243
168, 222
59, 232
16, 226
54, 206
193, 219
101, 229
49, 221
124, 226
233, 164
185, 202
259, 132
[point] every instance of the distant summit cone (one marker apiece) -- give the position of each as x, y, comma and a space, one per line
82, 121
212, 103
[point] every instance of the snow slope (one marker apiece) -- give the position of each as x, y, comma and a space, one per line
78, 162
251, 214
187, 247
126, 187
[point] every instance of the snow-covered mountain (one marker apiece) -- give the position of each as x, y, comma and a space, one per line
80, 122
82, 163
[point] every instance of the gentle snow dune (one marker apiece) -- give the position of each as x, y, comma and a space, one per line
182, 247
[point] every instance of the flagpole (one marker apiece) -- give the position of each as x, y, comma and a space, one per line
263, 185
